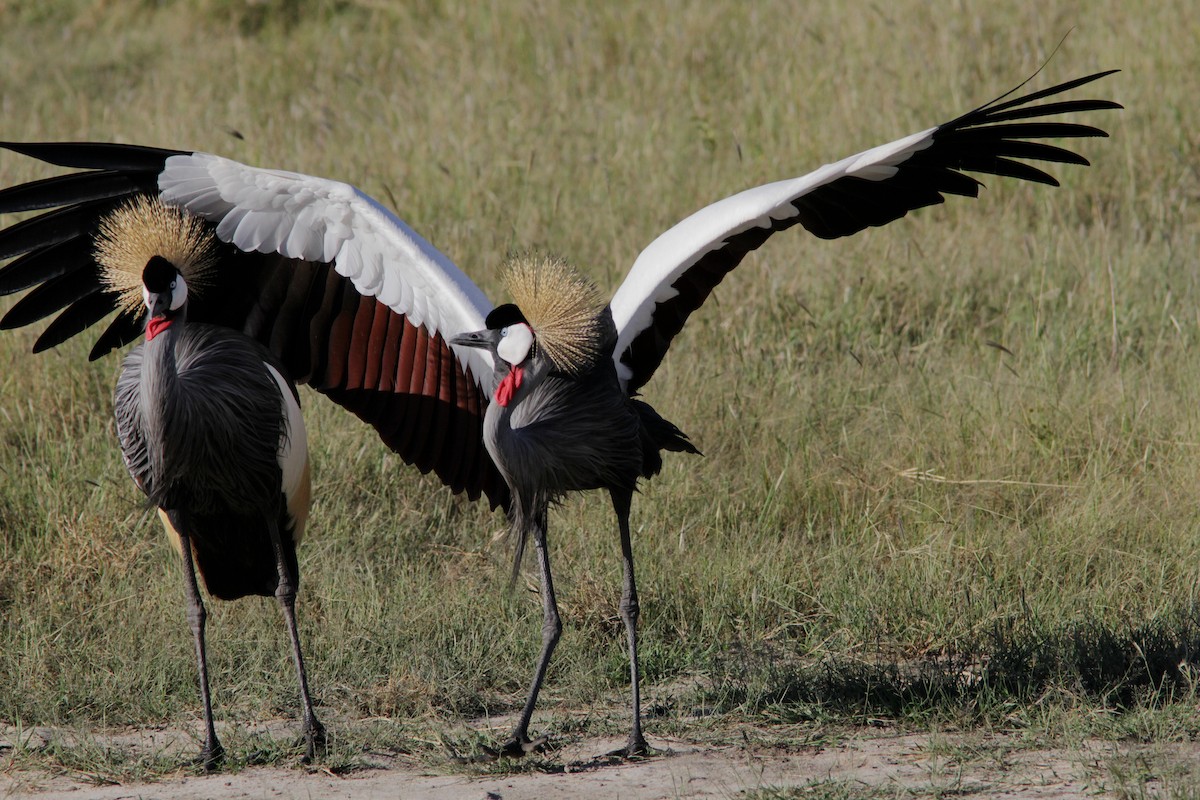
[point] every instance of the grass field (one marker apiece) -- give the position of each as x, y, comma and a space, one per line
950, 471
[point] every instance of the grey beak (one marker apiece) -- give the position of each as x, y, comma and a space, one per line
480, 339
160, 304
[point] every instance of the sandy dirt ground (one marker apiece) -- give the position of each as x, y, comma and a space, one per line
867, 763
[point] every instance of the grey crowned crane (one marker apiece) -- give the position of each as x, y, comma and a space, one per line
359, 306
211, 431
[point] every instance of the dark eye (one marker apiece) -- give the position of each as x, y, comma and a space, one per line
172, 284
504, 331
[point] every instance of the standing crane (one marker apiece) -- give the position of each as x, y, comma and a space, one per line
359, 306
560, 422
211, 432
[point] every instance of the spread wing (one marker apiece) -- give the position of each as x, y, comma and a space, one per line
350, 299
674, 275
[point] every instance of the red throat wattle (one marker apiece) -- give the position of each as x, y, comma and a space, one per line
156, 326
509, 385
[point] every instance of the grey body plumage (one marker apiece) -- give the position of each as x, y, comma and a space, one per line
561, 434
213, 415
200, 421
566, 433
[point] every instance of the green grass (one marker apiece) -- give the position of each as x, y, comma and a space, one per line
950, 465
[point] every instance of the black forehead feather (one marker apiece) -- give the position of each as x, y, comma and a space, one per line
158, 274
503, 316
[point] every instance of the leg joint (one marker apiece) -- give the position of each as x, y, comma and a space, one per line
630, 607
285, 591
552, 629
197, 615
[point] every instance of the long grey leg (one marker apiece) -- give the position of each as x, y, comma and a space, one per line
622, 499
212, 754
519, 743
285, 593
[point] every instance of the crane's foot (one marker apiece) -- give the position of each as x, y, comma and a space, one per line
211, 757
636, 747
517, 747
316, 744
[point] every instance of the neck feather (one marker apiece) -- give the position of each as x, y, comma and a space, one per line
160, 374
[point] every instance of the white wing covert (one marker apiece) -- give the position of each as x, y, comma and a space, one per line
316, 219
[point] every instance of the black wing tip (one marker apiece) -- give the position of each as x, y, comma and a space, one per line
95, 155
1095, 76
48, 151
1058, 88
1003, 103
993, 129
31, 148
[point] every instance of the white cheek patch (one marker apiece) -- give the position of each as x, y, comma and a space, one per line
179, 293
515, 344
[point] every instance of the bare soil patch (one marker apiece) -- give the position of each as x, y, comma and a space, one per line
862, 763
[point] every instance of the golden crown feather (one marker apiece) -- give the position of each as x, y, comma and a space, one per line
141, 229
562, 307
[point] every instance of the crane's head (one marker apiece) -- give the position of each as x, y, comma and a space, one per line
143, 245
164, 292
511, 341
555, 325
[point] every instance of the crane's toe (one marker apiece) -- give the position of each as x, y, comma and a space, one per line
636, 747
211, 757
519, 746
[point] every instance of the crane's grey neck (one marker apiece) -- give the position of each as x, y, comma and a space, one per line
511, 450
160, 368
502, 425
159, 390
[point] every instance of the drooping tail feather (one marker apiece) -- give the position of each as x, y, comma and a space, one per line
658, 434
